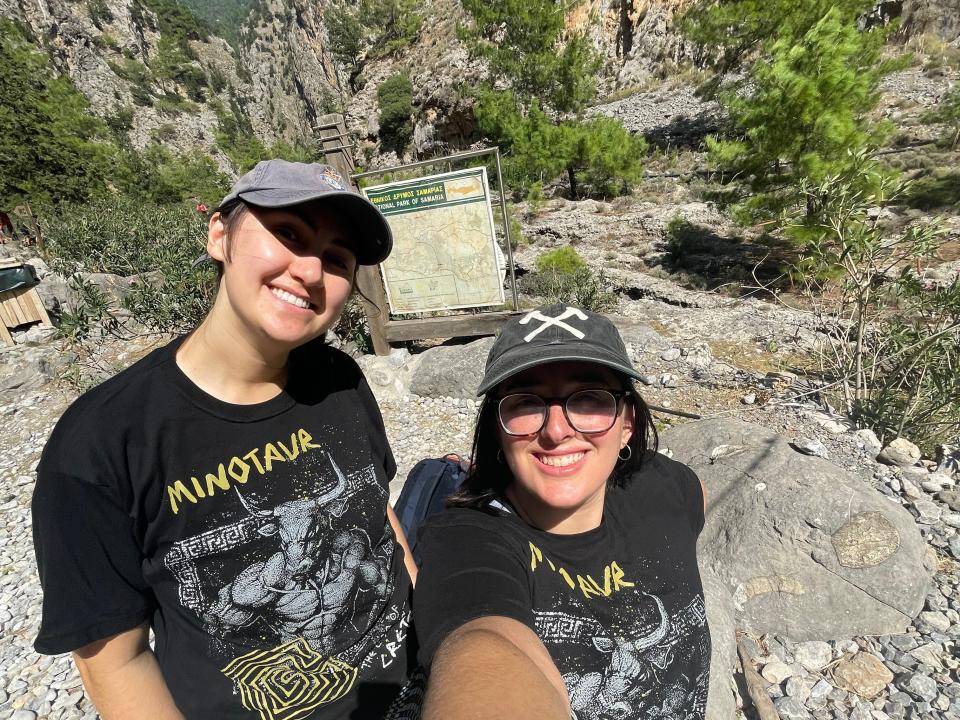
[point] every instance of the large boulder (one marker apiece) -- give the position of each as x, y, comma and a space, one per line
807, 550
451, 370
721, 699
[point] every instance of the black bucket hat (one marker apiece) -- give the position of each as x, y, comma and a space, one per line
551, 334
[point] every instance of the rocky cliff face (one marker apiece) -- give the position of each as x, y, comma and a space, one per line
282, 78
292, 78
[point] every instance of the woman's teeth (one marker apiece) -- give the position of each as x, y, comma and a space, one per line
561, 460
290, 298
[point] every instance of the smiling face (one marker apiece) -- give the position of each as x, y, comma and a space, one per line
559, 474
287, 273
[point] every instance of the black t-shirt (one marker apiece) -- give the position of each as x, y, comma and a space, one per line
253, 538
620, 608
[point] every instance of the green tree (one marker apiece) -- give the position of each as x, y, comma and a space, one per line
52, 148
395, 98
524, 40
801, 108
358, 29
538, 121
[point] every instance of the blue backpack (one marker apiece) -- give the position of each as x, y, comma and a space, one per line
430, 482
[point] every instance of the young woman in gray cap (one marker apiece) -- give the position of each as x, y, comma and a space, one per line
229, 491
563, 580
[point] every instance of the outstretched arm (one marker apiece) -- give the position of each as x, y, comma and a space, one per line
122, 678
494, 667
402, 539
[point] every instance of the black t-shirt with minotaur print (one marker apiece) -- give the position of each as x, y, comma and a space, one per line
253, 539
620, 608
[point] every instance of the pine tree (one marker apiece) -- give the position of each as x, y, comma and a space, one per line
52, 148
539, 121
801, 109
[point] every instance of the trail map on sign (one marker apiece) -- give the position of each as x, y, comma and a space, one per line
444, 249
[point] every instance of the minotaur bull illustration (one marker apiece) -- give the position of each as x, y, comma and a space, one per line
308, 585
619, 692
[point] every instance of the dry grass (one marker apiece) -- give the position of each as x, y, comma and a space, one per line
759, 360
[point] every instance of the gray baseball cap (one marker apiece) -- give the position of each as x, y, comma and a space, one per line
551, 334
281, 184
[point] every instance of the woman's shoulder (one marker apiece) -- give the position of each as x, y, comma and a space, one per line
462, 524
658, 470
115, 396
113, 407
661, 483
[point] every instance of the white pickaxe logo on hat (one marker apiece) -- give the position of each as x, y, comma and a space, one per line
553, 322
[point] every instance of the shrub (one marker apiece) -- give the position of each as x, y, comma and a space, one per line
395, 98
563, 276
51, 145
893, 344
100, 13
127, 237
565, 260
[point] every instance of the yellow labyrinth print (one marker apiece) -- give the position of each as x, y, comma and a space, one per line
289, 681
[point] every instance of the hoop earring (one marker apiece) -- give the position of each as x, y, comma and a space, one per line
500, 456
629, 454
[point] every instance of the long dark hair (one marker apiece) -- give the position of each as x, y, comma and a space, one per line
489, 476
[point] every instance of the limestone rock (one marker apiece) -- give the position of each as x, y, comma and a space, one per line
828, 557
721, 701
776, 672
453, 370
863, 674
900, 452
871, 443
814, 655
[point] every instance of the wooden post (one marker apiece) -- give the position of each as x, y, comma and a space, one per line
333, 143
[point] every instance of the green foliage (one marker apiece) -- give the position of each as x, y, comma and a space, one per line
51, 146
99, 13
525, 41
598, 152
174, 66
353, 325
224, 17
127, 237
535, 198
552, 73
802, 106
563, 276
236, 139
120, 121
358, 29
894, 343
173, 21
565, 260
157, 176
948, 113
735, 31
395, 98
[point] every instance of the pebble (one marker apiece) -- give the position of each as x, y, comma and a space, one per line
814, 656
822, 680
776, 672
810, 446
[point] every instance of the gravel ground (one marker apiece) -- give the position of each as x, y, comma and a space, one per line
689, 372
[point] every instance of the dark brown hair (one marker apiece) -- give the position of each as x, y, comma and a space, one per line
489, 476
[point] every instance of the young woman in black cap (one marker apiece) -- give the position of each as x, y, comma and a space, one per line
229, 491
563, 580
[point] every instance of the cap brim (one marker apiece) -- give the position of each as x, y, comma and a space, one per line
371, 232
511, 364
